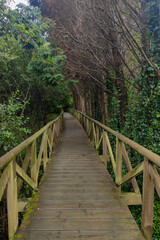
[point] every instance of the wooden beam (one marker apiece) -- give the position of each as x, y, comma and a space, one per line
110, 152
94, 133
133, 173
155, 178
97, 137
39, 159
52, 136
34, 172
118, 174
132, 198
12, 207
98, 143
129, 168
24, 167
45, 151
50, 146
22, 203
147, 204
105, 150
24, 176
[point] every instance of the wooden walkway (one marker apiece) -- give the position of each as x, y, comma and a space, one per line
77, 197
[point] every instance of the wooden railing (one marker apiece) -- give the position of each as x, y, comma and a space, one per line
30, 154
99, 135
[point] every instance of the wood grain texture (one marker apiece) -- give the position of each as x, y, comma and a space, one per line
77, 198
148, 200
12, 205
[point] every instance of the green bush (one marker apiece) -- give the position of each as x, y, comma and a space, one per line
13, 128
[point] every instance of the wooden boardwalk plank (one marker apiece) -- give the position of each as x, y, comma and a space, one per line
77, 198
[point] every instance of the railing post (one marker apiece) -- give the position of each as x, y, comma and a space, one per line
59, 126
50, 140
97, 137
52, 136
34, 174
87, 126
58, 129
147, 203
45, 150
118, 161
12, 207
83, 121
62, 121
105, 150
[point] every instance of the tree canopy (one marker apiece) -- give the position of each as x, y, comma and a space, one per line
112, 50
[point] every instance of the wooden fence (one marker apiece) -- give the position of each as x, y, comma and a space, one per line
22, 164
149, 167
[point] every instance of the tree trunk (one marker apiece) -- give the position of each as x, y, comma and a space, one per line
119, 82
91, 103
102, 98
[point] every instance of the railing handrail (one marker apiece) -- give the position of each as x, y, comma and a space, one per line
9, 156
153, 157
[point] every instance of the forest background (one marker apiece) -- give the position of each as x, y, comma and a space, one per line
104, 56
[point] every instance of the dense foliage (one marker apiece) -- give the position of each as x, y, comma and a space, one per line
12, 122
31, 65
143, 113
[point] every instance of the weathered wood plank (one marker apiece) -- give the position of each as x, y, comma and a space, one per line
132, 234
82, 213
132, 198
99, 224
